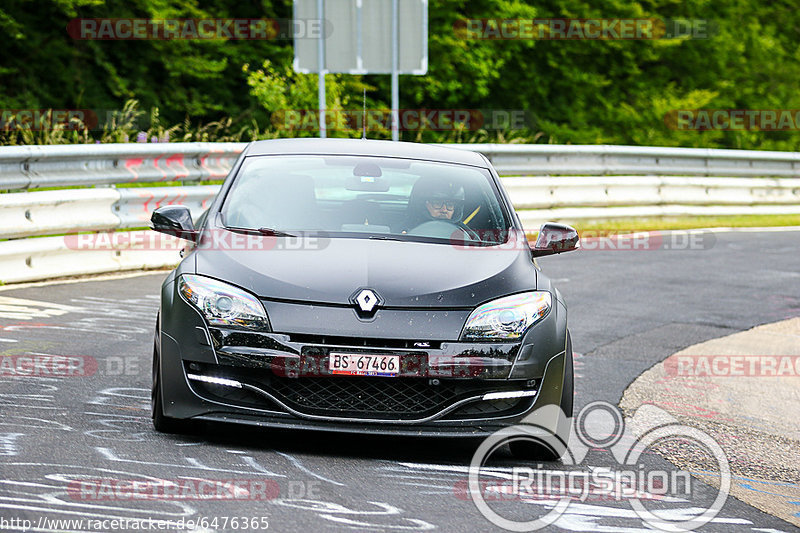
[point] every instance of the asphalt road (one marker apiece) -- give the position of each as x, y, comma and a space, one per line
628, 310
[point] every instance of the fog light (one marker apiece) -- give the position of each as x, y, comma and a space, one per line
215, 381
508, 395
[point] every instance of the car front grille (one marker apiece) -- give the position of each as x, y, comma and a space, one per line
363, 397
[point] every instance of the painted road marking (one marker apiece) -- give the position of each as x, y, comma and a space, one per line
21, 309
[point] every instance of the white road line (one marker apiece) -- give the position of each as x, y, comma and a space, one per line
296, 462
102, 277
109, 454
23, 309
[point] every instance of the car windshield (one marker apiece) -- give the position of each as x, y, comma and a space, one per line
377, 197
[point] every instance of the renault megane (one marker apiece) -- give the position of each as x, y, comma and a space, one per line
360, 286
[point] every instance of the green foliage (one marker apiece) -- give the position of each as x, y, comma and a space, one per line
291, 100
124, 126
576, 91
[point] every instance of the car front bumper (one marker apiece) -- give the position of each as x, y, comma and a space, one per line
278, 377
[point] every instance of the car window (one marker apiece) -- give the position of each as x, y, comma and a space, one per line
351, 196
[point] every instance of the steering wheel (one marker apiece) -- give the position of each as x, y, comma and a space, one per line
442, 227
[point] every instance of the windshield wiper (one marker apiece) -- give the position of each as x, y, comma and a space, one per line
263, 231
274, 232
385, 238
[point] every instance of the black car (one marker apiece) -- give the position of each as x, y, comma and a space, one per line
360, 286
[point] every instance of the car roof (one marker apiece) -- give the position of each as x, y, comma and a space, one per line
366, 147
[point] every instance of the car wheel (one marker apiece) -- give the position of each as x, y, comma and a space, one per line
162, 423
568, 394
527, 449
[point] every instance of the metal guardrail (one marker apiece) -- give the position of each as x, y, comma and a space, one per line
32, 167
72, 165
537, 199
51, 257
596, 160
545, 182
106, 209
608, 191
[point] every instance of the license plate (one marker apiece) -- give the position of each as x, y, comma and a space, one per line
364, 365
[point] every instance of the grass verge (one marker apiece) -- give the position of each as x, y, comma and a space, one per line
678, 223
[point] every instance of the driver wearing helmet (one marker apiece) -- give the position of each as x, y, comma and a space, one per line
434, 199
443, 204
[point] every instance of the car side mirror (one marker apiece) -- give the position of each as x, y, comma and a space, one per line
174, 220
555, 239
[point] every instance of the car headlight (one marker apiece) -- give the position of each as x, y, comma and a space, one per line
507, 318
223, 304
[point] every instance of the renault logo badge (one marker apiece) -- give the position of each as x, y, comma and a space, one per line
366, 302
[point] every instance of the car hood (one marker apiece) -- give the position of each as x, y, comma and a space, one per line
404, 274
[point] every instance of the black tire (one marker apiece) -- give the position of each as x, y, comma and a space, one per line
540, 451
162, 423
568, 393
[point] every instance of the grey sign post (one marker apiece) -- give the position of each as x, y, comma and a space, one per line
363, 37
